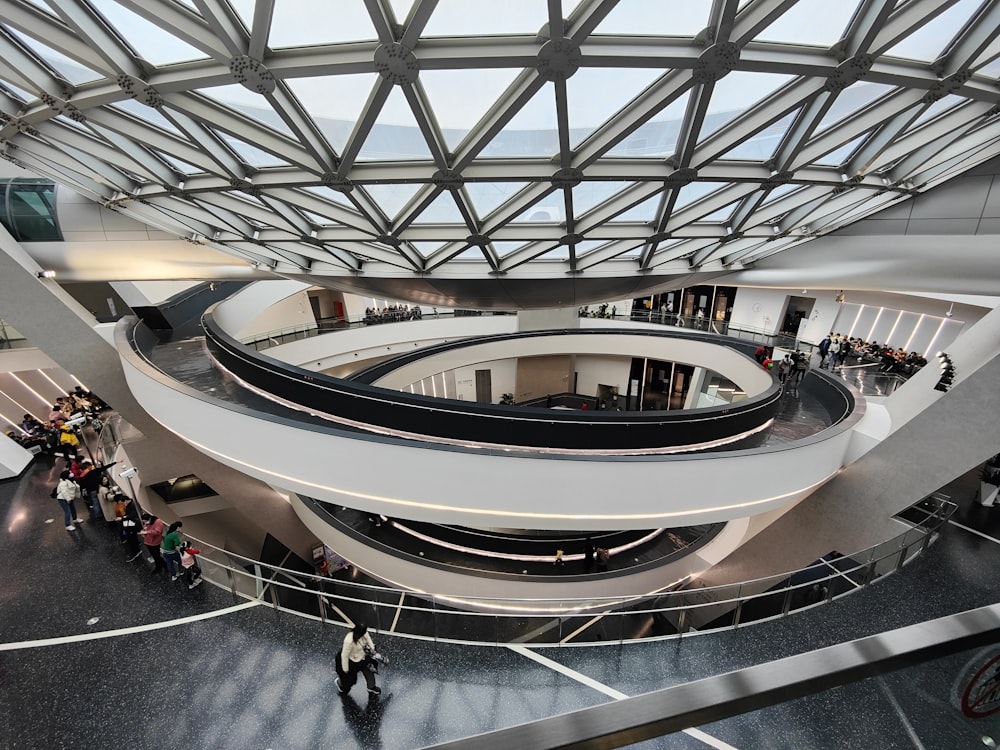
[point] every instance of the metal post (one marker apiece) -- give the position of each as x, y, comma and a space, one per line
787, 603
901, 559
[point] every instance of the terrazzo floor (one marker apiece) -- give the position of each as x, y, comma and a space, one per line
164, 667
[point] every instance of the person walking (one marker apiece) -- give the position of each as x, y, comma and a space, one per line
783, 367
152, 535
66, 492
170, 550
354, 658
824, 350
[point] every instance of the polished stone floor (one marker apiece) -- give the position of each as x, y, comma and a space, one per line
98, 653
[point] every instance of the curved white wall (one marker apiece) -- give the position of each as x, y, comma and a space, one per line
387, 339
492, 489
257, 308
13, 458
739, 368
524, 593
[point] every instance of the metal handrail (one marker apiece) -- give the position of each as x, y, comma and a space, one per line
320, 326
227, 569
673, 709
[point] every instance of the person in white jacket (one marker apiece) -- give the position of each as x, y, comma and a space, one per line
354, 658
66, 492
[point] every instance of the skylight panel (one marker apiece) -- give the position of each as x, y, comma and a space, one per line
296, 23
150, 42
68, 68
465, 18
665, 18
817, 22
594, 95
930, 40
531, 132
460, 98
334, 102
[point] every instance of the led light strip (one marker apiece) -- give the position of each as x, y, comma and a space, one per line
255, 469
25, 385
519, 558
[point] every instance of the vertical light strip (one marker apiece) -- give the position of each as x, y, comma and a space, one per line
37, 394
855, 323
930, 346
434, 388
54, 383
19, 405
875, 324
898, 318
423, 391
915, 329
13, 424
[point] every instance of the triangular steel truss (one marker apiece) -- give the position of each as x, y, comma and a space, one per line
610, 145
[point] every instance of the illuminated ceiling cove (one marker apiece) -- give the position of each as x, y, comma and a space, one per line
361, 141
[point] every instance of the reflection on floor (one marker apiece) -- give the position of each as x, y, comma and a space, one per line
257, 678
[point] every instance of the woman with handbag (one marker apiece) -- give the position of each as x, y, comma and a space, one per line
356, 656
66, 492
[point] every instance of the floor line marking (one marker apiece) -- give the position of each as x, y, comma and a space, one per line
339, 611
907, 726
580, 629
399, 608
80, 637
973, 531
609, 691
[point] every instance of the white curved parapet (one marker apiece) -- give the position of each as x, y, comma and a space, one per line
487, 488
13, 458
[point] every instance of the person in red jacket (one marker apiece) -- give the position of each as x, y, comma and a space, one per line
152, 535
190, 566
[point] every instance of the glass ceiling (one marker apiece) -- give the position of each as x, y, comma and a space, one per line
447, 138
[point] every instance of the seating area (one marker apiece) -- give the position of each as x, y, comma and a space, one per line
850, 351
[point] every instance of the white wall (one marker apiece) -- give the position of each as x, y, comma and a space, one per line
758, 308
509, 488
263, 307
977, 345
150, 293
27, 358
358, 344
594, 370
740, 369
13, 458
503, 375
763, 308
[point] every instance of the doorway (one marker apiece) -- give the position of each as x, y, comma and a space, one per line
484, 386
796, 310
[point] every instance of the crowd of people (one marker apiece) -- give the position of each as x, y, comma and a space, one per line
59, 434
392, 314
835, 350
601, 312
83, 482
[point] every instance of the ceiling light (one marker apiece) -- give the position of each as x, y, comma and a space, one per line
46, 274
